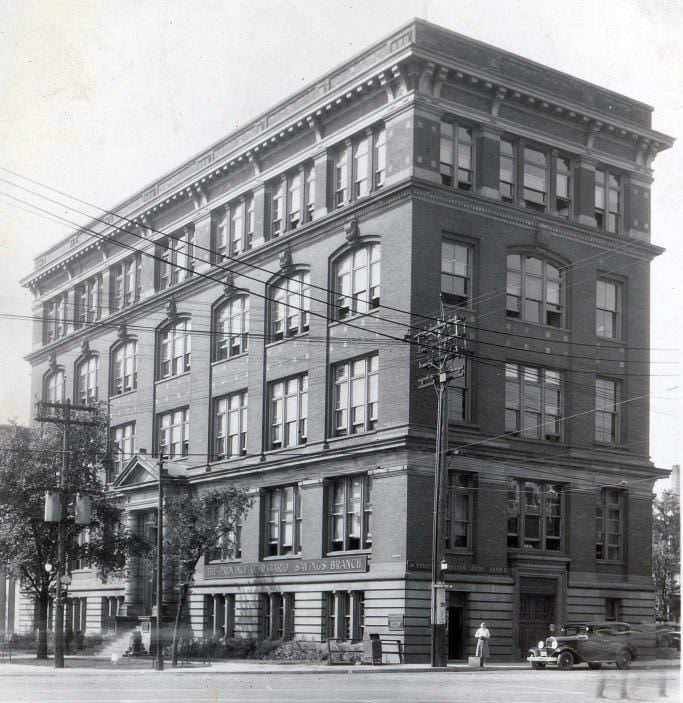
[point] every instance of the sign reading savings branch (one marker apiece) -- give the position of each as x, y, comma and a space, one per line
286, 567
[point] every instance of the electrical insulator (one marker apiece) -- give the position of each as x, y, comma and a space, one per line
53, 507
83, 509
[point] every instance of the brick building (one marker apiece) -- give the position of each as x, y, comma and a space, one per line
246, 315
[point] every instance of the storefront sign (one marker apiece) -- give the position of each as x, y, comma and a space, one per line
459, 568
286, 567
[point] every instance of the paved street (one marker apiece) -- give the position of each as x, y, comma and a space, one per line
580, 686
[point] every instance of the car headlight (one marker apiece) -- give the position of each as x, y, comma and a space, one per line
541, 644
552, 643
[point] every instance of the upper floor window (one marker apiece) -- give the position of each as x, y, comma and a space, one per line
507, 170
459, 511
122, 447
228, 546
350, 513
535, 515
174, 258
125, 373
277, 207
356, 395
290, 306
456, 273
125, 283
361, 170
282, 512
289, 412
357, 284
230, 426
55, 319
174, 433
54, 387
607, 410
563, 186
456, 155
608, 309
231, 327
533, 402
87, 372
535, 179
609, 528
294, 195
87, 301
341, 175
534, 290
457, 398
380, 157
607, 200
175, 348
310, 192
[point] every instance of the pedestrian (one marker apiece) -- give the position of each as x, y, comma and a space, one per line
482, 635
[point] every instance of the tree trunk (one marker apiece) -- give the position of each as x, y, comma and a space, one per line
178, 619
41, 644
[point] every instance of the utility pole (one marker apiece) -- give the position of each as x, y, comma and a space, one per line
441, 349
159, 654
61, 414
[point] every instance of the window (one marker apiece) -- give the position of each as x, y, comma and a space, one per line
230, 426
237, 233
288, 412
344, 615
607, 200
122, 447
380, 157
310, 192
219, 615
357, 275
54, 387
459, 511
457, 403
126, 283
282, 515
614, 609
174, 259
221, 234
87, 302
609, 528
361, 168
534, 290
55, 319
507, 170
456, 155
533, 402
277, 207
290, 304
349, 514
277, 616
249, 222
456, 263
535, 192
535, 515
294, 199
231, 325
606, 410
356, 395
175, 349
86, 380
563, 186
125, 373
341, 176
228, 546
174, 433
608, 309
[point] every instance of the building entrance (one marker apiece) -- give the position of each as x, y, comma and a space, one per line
148, 529
456, 626
536, 613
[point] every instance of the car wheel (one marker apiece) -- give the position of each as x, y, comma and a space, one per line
624, 659
565, 661
538, 665
594, 665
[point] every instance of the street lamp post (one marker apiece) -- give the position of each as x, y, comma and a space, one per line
159, 654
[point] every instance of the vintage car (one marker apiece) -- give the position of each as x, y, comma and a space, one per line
593, 643
668, 635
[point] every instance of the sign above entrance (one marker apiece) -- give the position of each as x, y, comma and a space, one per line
286, 567
455, 567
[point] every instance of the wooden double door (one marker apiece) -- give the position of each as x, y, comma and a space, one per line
536, 613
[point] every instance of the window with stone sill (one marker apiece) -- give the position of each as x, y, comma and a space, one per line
357, 281
125, 283
456, 155
228, 546
344, 615
290, 303
356, 395
609, 525
456, 273
607, 200
608, 301
122, 447
535, 515
607, 415
173, 430
55, 319
87, 382
175, 349
283, 521
288, 412
54, 386
534, 290
349, 513
459, 513
87, 301
124, 367
230, 426
231, 327
533, 402
174, 258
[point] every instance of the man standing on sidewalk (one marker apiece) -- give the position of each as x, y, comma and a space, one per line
482, 635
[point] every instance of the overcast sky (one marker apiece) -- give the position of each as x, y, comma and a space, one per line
99, 97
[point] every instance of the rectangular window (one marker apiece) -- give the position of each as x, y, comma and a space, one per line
231, 321
380, 157
282, 521
122, 447
563, 186
230, 426
535, 179
507, 170
356, 395
341, 175
535, 515
361, 167
125, 283
228, 546
607, 200
175, 350
607, 393
250, 222
310, 192
294, 200
87, 386
277, 207
277, 616
344, 615
534, 290
357, 276
459, 511
221, 234
609, 528
349, 521
289, 412
290, 306
174, 433
456, 275
125, 376
56, 319
237, 244
608, 309
533, 402
174, 259
614, 609
456, 155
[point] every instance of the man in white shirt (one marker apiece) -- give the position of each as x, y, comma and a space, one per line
482, 635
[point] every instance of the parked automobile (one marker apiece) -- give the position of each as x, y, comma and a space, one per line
593, 643
668, 635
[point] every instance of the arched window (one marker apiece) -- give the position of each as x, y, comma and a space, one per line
231, 327
124, 367
534, 290
356, 277
174, 348
290, 303
54, 387
87, 371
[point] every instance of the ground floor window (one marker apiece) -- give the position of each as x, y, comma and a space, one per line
111, 607
344, 615
219, 615
277, 616
613, 609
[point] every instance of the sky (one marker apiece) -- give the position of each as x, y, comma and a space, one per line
100, 97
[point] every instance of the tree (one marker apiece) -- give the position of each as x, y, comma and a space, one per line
196, 524
666, 551
30, 461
